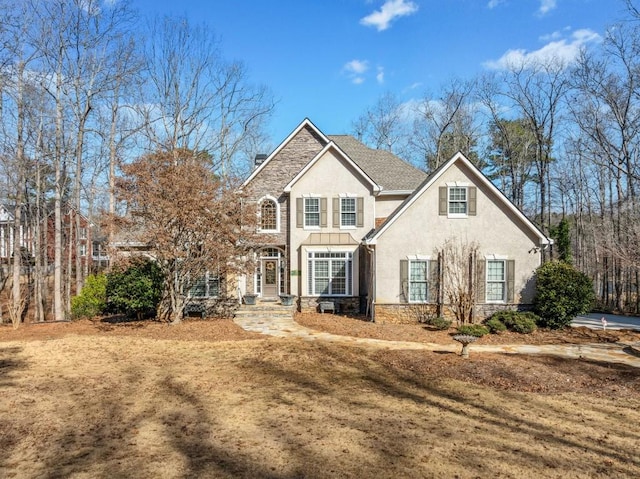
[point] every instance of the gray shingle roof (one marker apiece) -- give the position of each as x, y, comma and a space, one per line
382, 166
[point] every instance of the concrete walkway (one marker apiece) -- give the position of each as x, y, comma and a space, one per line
287, 328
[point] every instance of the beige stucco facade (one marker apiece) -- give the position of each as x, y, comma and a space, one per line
393, 227
331, 176
421, 231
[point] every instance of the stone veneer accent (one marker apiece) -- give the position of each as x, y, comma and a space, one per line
401, 313
279, 171
406, 313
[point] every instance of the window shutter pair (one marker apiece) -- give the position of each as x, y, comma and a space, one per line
481, 280
432, 281
300, 212
359, 212
443, 200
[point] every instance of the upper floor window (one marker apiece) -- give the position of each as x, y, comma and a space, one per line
311, 212
268, 216
348, 212
457, 200
83, 233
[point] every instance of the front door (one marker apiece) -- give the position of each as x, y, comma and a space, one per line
269, 278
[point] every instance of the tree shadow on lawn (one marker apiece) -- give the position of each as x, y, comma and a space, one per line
328, 410
461, 405
10, 364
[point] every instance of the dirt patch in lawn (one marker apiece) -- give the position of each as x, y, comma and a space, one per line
106, 405
361, 328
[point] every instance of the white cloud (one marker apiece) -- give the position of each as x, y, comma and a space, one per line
390, 10
380, 75
564, 51
546, 6
355, 69
356, 66
494, 3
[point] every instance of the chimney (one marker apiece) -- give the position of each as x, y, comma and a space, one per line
260, 157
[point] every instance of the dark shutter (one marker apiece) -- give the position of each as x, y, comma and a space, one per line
360, 212
323, 212
511, 273
472, 191
443, 201
480, 281
404, 281
433, 280
299, 212
336, 212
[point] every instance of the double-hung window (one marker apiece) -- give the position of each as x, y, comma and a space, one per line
496, 280
311, 212
458, 200
418, 281
348, 212
330, 273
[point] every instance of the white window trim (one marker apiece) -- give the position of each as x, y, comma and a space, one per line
457, 185
304, 211
417, 259
504, 282
349, 281
270, 198
355, 211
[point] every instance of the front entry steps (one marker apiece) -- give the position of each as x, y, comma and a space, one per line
264, 310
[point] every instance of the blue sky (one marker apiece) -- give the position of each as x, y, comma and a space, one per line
330, 59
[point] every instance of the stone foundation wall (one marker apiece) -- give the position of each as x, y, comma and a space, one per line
217, 307
403, 313
414, 313
344, 305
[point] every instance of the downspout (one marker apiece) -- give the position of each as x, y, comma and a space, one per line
372, 278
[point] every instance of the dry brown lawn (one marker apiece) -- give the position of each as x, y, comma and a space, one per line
205, 399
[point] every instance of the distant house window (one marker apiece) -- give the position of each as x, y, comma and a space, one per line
457, 200
348, 212
83, 249
312, 212
330, 273
83, 233
418, 276
496, 280
207, 286
268, 215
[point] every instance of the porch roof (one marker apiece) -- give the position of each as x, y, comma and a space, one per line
330, 239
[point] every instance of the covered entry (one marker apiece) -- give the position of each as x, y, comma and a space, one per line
270, 273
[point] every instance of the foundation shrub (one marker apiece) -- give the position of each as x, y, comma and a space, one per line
495, 325
477, 330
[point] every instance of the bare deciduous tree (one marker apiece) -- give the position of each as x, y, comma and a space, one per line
459, 278
191, 219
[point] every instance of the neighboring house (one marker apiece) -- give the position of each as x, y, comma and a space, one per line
7, 225
362, 228
91, 251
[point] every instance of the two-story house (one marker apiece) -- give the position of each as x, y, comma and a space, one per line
361, 227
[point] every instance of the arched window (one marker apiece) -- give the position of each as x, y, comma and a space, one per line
268, 215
